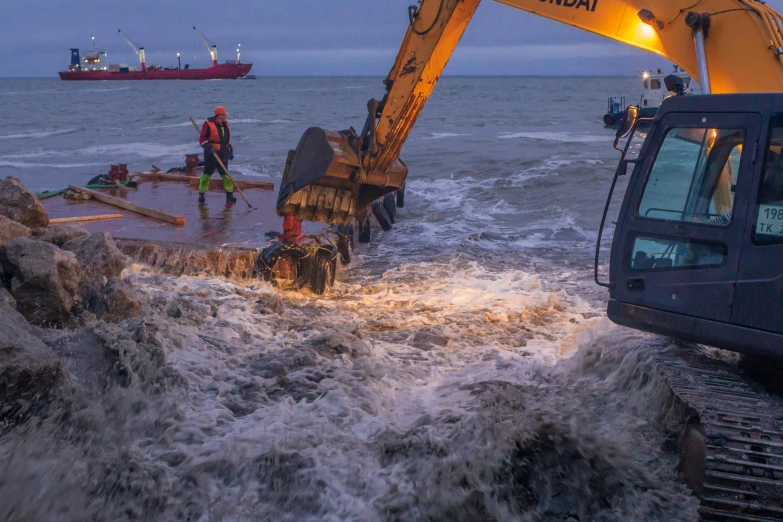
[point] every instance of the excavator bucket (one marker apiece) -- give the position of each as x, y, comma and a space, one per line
324, 180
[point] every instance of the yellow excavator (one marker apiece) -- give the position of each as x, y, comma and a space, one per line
697, 253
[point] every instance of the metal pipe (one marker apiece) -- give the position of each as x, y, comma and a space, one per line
701, 57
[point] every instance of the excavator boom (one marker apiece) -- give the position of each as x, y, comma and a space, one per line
333, 176
697, 253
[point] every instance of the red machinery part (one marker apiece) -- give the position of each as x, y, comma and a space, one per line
292, 229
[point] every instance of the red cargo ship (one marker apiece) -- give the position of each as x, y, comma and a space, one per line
91, 69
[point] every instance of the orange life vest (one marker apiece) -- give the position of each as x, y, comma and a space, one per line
214, 134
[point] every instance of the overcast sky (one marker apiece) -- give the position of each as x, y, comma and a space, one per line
298, 37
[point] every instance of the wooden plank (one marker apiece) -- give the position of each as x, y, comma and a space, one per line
127, 205
161, 176
83, 219
217, 184
193, 180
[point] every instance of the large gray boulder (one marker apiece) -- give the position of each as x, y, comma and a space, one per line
10, 229
46, 281
98, 254
30, 373
117, 301
21, 205
60, 234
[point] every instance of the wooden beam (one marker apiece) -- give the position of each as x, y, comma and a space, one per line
161, 176
83, 219
127, 205
193, 180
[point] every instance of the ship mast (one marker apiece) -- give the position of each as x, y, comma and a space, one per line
212, 48
138, 50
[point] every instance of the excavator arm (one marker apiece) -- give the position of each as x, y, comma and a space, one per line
729, 46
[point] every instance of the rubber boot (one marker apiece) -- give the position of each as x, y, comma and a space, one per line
230, 197
202, 197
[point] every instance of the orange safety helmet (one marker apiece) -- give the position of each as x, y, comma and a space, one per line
220, 110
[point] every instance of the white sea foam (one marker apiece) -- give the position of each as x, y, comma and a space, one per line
143, 149
133, 149
170, 125
251, 120
26, 165
415, 395
565, 137
441, 135
40, 134
231, 121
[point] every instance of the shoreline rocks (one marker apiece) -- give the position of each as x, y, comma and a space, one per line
21, 205
45, 281
98, 254
59, 234
117, 301
10, 229
30, 373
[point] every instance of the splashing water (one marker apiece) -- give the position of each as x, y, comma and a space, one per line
434, 392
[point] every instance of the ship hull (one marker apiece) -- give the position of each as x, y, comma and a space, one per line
225, 71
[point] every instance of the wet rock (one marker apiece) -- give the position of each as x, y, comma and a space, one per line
283, 362
117, 301
29, 372
21, 205
289, 478
98, 254
46, 281
340, 342
140, 355
60, 234
10, 229
426, 340
91, 365
7, 298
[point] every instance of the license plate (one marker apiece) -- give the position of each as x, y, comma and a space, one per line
770, 220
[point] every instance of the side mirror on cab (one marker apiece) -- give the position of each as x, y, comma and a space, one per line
629, 120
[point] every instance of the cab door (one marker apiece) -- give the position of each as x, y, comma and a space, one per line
677, 245
759, 292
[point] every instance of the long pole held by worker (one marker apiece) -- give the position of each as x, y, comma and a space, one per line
224, 168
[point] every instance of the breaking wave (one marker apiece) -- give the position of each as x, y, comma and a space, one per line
26, 165
41, 134
442, 135
564, 137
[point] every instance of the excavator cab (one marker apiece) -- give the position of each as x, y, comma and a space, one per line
697, 252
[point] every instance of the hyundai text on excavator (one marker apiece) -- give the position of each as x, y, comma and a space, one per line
697, 252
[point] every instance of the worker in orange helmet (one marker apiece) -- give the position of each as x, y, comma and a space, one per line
215, 139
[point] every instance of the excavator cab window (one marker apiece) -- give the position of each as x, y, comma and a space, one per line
692, 180
694, 176
769, 210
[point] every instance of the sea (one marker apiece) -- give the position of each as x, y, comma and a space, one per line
462, 368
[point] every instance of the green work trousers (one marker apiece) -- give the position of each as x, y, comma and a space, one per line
210, 165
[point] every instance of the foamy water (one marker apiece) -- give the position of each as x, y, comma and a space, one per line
461, 369
415, 397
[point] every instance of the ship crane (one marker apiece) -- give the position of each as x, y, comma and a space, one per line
138, 50
212, 48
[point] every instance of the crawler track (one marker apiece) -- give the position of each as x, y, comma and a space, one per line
741, 428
